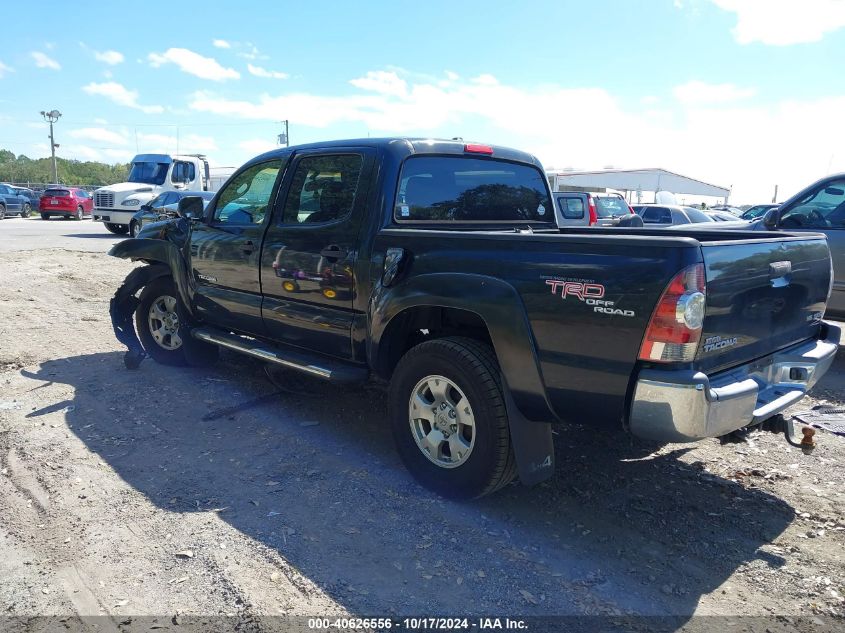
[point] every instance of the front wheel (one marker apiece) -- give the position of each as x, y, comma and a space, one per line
117, 229
26, 211
164, 336
449, 420
2, 212
133, 229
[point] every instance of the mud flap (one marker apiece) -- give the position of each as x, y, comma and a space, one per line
122, 309
533, 445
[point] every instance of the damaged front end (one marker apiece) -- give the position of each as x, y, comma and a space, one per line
163, 247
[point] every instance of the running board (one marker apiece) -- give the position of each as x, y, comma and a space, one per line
313, 365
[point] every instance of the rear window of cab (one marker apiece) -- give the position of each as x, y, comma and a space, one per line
57, 193
460, 189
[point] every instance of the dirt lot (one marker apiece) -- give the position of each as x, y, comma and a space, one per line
170, 491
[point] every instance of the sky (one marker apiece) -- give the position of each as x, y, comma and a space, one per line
746, 94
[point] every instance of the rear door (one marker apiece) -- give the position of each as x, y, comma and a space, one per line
823, 211
309, 252
762, 295
571, 209
225, 249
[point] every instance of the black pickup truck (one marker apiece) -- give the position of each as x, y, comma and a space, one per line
438, 266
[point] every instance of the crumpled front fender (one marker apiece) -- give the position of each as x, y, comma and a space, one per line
123, 305
157, 251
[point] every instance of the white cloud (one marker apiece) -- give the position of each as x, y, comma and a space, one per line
382, 82
221, 44
784, 22
121, 95
99, 134
252, 51
43, 61
258, 71
4, 69
792, 141
112, 58
193, 64
694, 92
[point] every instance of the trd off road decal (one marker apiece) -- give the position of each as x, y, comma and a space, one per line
588, 292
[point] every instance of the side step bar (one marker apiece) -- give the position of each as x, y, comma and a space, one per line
313, 365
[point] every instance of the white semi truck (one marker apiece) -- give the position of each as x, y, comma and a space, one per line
150, 175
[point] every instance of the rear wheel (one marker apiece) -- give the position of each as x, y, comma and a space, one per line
133, 228
449, 420
79, 213
45, 216
117, 229
26, 211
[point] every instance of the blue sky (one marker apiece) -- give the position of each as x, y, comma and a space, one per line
748, 93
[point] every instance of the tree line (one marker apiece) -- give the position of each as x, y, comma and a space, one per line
23, 170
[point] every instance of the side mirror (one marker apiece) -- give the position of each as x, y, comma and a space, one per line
771, 219
190, 208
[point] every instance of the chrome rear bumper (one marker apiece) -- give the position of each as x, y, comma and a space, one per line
685, 406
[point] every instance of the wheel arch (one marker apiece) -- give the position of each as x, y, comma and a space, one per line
164, 253
482, 307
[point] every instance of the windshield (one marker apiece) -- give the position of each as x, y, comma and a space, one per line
695, 215
149, 173
610, 206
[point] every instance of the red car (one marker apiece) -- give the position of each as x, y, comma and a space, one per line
68, 202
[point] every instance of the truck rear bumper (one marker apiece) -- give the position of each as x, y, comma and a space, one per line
685, 405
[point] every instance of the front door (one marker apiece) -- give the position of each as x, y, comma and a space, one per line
226, 248
310, 250
823, 211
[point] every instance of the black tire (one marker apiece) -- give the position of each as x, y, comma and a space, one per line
2, 212
79, 213
154, 291
26, 211
133, 228
191, 351
472, 367
45, 216
117, 229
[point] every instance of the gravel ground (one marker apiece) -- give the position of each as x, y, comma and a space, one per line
173, 492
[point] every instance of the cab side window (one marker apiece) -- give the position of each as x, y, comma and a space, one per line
183, 172
246, 197
323, 189
571, 208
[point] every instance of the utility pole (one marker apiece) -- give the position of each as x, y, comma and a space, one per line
52, 116
283, 137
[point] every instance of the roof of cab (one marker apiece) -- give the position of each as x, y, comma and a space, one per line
402, 147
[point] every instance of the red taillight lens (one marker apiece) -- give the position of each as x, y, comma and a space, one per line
474, 148
675, 327
591, 205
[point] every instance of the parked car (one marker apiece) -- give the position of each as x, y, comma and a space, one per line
11, 202
488, 320
757, 211
724, 207
162, 206
721, 216
575, 208
32, 200
668, 214
66, 202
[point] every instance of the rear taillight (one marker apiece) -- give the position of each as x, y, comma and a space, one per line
674, 330
591, 205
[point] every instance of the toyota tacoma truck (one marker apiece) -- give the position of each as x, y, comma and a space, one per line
438, 266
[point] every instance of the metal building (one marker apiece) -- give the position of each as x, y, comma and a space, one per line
636, 183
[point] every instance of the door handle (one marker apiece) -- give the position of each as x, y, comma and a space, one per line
248, 247
333, 252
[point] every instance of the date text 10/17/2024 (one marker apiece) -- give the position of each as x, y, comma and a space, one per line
417, 624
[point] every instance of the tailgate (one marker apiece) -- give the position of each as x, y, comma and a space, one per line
762, 295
